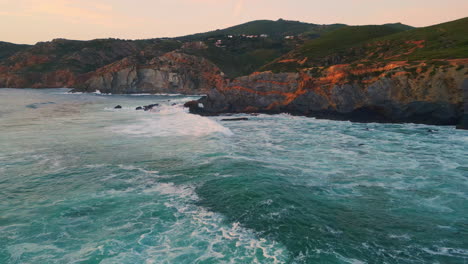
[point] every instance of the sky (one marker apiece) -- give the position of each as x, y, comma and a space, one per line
30, 21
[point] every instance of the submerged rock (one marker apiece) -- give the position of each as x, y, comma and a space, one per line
139, 108
235, 119
118, 107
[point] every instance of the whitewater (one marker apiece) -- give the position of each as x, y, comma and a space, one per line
82, 182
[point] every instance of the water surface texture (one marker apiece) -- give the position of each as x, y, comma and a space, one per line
82, 182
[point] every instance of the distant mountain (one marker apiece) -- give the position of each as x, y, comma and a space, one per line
275, 29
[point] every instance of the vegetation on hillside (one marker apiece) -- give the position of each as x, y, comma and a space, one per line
369, 44
242, 56
444, 41
7, 49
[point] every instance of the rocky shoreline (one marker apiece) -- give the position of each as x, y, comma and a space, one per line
394, 96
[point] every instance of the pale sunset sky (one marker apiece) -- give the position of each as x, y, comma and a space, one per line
30, 21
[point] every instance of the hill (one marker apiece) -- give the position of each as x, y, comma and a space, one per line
80, 56
368, 44
274, 29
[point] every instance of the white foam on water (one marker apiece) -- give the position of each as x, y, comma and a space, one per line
16, 251
132, 168
171, 121
100, 93
445, 251
198, 234
210, 226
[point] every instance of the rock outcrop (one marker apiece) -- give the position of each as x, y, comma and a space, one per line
173, 72
390, 92
464, 119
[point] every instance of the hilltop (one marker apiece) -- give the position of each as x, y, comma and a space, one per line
274, 29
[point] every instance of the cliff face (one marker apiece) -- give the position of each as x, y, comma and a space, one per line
464, 119
172, 72
390, 92
67, 63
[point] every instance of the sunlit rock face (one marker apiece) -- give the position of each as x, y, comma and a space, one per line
172, 72
394, 92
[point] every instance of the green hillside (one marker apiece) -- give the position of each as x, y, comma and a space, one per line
444, 41
241, 56
335, 44
379, 43
343, 38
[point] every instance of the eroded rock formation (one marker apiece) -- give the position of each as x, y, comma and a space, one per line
173, 72
392, 92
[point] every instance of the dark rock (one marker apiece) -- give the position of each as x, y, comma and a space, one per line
463, 123
149, 107
139, 108
173, 104
195, 108
235, 119
118, 107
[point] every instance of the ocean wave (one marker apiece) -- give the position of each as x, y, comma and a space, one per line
171, 121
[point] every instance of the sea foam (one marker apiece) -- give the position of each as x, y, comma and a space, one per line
171, 121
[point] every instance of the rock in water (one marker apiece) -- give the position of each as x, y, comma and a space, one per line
149, 107
118, 107
235, 119
139, 108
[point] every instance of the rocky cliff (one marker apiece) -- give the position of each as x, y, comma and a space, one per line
67, 63
386, 92
172, 72
464, 119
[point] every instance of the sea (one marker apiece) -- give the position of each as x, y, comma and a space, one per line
83, 182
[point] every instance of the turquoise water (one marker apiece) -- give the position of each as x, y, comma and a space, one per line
83, 183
